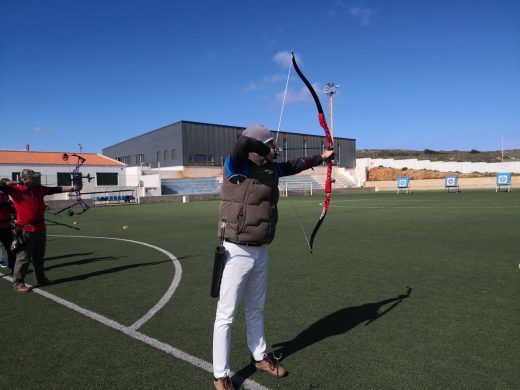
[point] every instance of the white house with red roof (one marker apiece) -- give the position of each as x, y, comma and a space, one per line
56, 170
100, 173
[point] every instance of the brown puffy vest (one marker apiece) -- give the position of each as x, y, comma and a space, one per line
250, 206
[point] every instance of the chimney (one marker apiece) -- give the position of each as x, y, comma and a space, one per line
27, 148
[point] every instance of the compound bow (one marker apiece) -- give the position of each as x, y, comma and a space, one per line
77, 184
330, 146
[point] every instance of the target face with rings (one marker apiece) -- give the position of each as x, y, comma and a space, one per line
403, 182
503, 178
451, 181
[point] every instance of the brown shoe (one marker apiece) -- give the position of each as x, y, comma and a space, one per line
268, 366
22, 288
223, 383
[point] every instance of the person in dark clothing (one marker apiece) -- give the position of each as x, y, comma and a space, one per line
249, 198
27, 196
6, 229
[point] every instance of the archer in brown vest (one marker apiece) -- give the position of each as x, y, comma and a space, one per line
249, 197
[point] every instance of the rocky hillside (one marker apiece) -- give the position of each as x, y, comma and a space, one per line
382, 173
441, 155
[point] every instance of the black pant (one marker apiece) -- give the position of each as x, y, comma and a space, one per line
6, 238
33, 249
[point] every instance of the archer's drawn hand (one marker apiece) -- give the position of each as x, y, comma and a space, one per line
273, 151
67, 189
327, 155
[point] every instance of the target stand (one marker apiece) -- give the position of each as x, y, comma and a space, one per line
504, 182
451, 184
403, 184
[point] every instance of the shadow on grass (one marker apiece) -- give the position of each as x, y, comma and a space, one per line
68, 255
336, 323
106, 271
88, 260
56, 223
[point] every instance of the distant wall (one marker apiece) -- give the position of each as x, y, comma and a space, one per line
177, 198
198, 172
364, 164
438, 184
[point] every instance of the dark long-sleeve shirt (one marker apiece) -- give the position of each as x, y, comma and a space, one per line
239, 158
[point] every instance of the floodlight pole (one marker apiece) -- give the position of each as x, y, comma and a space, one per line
330, 89
502, 149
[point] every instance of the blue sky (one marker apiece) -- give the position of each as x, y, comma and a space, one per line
413, 74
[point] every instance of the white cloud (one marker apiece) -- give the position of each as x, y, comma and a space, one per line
283, 58
253, 87
363, 14
41, 130
337, 8
275, 78
299, 95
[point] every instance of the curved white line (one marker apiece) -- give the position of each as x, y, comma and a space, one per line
167, 295
177, 353
132, 329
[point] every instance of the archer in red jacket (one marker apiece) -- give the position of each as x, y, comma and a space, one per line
27, 196
6, 231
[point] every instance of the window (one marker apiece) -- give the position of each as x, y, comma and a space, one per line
107, 179
201, 158
158, 156
165, 155
173, 154
139, 158
64, 179
124, 159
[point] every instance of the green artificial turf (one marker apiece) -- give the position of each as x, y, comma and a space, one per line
402, 291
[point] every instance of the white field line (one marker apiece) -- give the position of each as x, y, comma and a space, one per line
131, 330
167, 295
424, 207
394, 199
407, 200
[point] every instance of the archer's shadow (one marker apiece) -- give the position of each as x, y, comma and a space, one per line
339, 322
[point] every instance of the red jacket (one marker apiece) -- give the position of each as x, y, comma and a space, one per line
29, 205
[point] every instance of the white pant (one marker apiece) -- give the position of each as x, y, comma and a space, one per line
245, 274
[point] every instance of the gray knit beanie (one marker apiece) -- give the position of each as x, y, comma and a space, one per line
258, 132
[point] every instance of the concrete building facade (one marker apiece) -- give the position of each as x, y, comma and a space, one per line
190, 144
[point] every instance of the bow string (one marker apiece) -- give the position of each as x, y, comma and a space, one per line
330, 146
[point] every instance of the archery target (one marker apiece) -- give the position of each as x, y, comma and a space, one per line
503, 178
451, 181
402, 182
